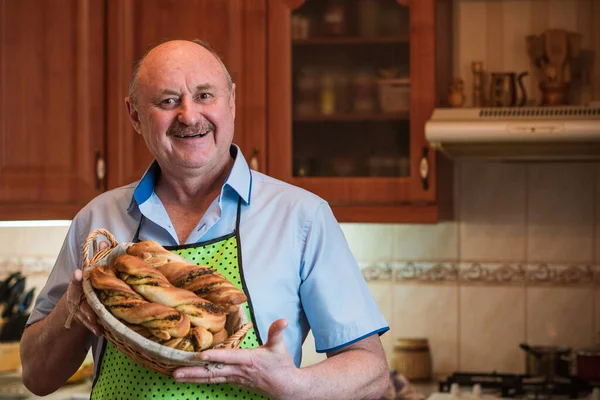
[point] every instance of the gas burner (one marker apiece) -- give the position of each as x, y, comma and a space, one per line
519, 386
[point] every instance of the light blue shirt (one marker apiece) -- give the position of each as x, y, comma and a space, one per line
296, 261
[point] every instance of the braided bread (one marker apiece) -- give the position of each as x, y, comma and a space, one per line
124, 303
203, 281
197, 339
152, 285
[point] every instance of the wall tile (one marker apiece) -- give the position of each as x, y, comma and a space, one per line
309, 355
560, 212
492, 324
32, 241
470, 43
382, 293
429, 311
369, 242
597, 201
560, 316
596, 338
492, 225
425, 241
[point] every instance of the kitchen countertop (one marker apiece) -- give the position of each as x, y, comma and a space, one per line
80, 391
11, 388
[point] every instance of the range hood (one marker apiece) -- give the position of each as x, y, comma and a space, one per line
566, 133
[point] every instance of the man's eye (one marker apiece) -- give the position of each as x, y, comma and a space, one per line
168, 102
205, 96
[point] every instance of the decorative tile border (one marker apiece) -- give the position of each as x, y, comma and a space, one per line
27, 265
483, 273
414, 272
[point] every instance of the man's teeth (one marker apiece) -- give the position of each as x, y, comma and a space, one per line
192, 136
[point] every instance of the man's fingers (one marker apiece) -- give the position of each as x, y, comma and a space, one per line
276, 332
77, 275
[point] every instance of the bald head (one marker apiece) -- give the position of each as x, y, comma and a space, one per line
173, 48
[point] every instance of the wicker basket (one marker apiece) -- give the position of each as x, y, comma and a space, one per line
151, 355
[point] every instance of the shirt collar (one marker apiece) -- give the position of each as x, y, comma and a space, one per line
239, 179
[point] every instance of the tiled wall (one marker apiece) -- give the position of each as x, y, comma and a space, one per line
521, 263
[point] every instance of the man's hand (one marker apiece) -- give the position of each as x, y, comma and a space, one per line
267, 369
79, 309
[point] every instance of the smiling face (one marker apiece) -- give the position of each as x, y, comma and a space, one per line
183, 108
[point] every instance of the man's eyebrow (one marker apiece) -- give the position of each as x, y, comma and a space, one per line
204, 86
169, 92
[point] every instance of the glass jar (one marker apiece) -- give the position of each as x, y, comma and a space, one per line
335, 18
307, 95
364, 92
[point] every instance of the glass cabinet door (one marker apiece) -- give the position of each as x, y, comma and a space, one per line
350, 85
350, 73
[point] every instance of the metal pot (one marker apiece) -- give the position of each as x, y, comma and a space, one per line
547, 361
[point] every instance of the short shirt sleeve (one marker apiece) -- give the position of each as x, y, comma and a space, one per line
336, 299
67, 261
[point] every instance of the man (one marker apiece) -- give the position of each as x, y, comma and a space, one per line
281, 244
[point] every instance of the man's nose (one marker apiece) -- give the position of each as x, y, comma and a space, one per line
189, 114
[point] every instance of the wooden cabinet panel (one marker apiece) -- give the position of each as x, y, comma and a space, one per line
235, 28
51, 106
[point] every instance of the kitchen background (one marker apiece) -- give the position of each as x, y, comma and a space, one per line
520, 260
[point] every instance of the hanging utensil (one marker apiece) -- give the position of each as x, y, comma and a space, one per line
25, 301
14, 325
13, 298
7, 284
13, 329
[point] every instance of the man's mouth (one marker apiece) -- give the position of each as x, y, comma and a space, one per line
199, 135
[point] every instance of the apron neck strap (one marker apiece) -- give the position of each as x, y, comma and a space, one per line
136, 236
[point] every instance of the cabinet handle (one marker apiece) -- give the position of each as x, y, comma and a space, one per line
424, 168
254, 160
100, 171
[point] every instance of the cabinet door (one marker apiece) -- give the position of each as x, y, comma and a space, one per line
51, 107
351, 84
234, 28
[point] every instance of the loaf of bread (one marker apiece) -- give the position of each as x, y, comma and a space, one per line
154, 286
197, 339
123, 302
203, 281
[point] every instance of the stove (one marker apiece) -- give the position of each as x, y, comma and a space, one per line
517, 386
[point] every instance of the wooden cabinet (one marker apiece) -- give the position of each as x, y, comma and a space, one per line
234, 28
66, 66
51, 107
369, 160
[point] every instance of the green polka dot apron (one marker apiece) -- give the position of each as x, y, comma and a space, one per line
119, 377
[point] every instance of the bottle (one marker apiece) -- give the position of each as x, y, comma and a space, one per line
327, 94
477, 68
334, 18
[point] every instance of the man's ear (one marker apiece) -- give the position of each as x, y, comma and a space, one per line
232, 100
134, 116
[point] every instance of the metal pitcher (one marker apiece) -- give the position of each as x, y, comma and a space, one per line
503, 91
